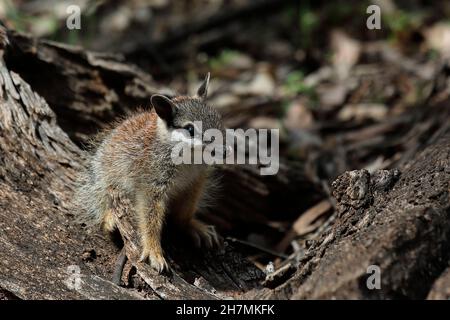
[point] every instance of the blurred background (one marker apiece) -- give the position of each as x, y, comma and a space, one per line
343, 96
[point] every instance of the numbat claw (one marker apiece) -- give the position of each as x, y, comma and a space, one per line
203, 234
156, 261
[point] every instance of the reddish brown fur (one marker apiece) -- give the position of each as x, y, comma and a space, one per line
136, 134
134, 157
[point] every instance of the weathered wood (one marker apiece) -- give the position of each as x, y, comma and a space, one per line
441, 287
262, 198
6, 295
38, 240
88, 91
403, 227
215, 274
39, 163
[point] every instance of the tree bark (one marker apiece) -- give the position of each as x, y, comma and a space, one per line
441, 287
402, 227
52, 95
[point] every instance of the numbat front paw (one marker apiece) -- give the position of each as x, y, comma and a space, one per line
156, 260
203, 234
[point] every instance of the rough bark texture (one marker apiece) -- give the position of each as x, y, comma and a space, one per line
441, 287
39, 164
401, 226
38, 239
52, 95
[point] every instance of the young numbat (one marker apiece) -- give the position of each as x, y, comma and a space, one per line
135, 159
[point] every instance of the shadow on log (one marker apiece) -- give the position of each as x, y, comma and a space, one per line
44, 251
401, 227
52, 95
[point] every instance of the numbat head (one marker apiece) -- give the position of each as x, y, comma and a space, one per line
186, 113
134, 159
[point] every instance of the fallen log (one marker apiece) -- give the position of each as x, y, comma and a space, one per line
396, 222
441, 287
400, 228
52, 95
43, 253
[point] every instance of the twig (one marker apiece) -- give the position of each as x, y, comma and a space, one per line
118, 267
255, 246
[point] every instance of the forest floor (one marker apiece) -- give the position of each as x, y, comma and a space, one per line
353, 106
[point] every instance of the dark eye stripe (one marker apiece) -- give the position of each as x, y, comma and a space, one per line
190, 128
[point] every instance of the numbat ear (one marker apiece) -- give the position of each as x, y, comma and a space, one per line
164, 107
202, 92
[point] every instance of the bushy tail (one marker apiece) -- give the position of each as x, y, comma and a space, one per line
90, 201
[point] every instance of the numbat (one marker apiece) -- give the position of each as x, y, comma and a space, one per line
134, 159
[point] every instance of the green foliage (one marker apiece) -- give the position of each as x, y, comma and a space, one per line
433, 54
18, 19
294, 83
401, 21
224, 58
52, 27
308, 22
339, 12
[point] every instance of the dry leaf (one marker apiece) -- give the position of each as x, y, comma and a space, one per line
305, 222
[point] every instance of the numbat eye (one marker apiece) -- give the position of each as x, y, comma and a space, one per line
190, 129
